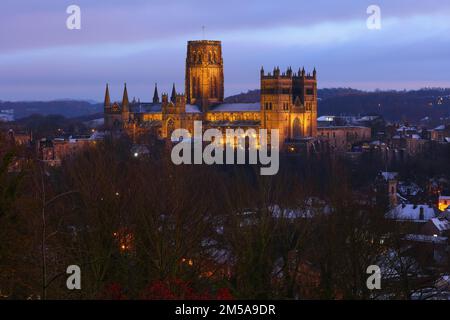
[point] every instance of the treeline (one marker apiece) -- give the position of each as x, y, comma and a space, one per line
143, 228
48, 126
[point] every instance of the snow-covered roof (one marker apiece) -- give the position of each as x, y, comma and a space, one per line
236, 107
192, 108
326, 118
411, 212
405, 128
311, 208
97, 136
368, 118
411, 189
157, 107
425, 238
441, 224
441, 127
389, 175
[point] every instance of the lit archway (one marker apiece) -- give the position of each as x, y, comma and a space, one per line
170, 127
296, 129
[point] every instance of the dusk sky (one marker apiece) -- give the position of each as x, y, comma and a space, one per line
142, 42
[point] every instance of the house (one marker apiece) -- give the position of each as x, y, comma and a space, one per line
443, 202
440, 133
412, 213
436, 227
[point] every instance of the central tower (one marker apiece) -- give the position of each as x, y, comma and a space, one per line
204, 73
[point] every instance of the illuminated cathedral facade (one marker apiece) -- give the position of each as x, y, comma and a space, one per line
288, 101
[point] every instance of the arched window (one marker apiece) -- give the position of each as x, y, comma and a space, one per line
170, 127
296, 130
198, 88
194, 87
216, 89
211, 89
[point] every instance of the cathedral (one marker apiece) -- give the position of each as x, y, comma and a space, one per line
288, 101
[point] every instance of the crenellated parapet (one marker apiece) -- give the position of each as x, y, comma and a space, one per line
288, 74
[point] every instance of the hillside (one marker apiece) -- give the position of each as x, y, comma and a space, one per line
66, 108
409, 106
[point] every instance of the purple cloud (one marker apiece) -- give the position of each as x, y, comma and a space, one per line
142, 42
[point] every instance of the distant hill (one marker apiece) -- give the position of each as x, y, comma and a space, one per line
409, 106
251, 96
67, 108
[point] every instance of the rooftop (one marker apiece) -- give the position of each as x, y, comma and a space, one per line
413, 213
236, 107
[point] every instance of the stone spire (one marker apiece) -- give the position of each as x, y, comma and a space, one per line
156, 95
125, 102
107, 99
173, 96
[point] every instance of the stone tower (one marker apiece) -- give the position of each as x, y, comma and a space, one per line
289, 103
276, 101
204, 73
113, 115
304, 94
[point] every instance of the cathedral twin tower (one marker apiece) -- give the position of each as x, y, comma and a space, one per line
288, 101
